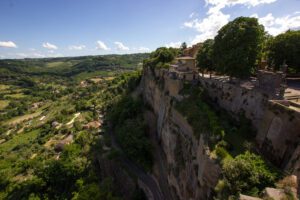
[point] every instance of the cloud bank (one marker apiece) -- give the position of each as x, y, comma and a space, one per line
8, 44
215, 19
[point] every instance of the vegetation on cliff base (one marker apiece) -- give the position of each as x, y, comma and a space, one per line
247, 174
229, 140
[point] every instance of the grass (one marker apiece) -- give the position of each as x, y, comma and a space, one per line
3, 104
4, 87
58, 64
103, 74
16, 96
22, 118
20, 139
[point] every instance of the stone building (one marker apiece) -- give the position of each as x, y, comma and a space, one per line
185, 68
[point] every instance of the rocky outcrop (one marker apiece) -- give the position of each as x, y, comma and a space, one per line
191, 173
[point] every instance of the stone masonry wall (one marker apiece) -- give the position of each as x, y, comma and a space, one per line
279, 136
236, 99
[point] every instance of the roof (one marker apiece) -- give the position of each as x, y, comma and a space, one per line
185, 58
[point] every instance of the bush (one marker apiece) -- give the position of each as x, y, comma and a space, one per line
247, 173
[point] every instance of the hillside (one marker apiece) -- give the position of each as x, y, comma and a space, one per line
52, 127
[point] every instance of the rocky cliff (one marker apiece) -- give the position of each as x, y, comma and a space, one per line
190, 172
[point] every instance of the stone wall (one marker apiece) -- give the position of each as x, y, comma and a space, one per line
279, 135
236, 99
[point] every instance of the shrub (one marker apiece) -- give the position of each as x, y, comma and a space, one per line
247, 173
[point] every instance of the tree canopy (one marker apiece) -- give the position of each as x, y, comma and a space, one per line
285, 48
237, 47
204, 56
161, 56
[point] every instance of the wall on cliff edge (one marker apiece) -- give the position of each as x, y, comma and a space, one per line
251, 103
191, 173
277, 125
279, 136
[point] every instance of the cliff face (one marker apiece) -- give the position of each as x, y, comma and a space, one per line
190, 172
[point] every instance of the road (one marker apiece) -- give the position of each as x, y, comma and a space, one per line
145, 178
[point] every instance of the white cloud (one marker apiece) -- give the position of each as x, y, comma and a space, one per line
101, 46
48, 45
77, 47
173, 44
144, 49
208, 27
275, 26
8, 44
121, 46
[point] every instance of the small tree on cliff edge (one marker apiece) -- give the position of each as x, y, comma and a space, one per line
237, 47
204, 57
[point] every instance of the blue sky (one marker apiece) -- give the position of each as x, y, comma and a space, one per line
52, 28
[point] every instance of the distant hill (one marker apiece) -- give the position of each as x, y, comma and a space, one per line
69, 66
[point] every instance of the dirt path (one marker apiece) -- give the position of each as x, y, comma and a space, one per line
72, 121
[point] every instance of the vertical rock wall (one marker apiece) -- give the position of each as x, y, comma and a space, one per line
191, 173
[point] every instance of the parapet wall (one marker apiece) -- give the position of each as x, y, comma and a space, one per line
279, 135
280, 128
236, 99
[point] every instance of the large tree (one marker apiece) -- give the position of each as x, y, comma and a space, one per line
204, 56
237, 47
285, 48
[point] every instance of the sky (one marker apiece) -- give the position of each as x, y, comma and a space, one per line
57, 28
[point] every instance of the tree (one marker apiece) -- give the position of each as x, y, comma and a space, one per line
285, 48
204, 56
183, 46
161, 57
237, 47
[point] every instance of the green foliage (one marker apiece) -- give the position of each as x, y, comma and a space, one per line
94, 192
285, 48
237, 47
199, 114
248, 174
204, 56
29, 166
161, 57
130, 129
